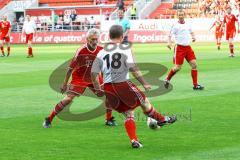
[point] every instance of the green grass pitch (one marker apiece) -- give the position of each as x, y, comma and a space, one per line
210, 131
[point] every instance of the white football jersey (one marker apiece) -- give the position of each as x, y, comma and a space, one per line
114, 64
29, 27
182, 33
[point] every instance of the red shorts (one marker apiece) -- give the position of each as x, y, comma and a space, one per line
123, 96
29, 37
79, 89
230, 34
3, 37
218, 35
78, 85
182, 52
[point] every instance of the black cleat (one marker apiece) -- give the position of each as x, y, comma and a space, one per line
3, 55
136, 144
231, 55
8, 55
218, 47
166, 84
111, 122
47, 123
168, 120
198, 87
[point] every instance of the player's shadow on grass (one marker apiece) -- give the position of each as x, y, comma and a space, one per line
152, 71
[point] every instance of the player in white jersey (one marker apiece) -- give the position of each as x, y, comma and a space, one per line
114, 62
183, 34
29, 28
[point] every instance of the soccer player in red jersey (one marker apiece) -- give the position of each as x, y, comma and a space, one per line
5, 26
230, 21
80, 70
121, 94
218, 31
183, 34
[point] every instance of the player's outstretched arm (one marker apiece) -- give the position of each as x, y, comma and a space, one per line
67, 77
211, 26
95, 80
193, 36
238, 27
96, 69
223, 23
9, 31
169, 45
138, 75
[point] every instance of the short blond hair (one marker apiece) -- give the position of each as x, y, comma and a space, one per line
93, 31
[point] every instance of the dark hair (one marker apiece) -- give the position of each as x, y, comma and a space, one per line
116, 31
180, 10
121, 9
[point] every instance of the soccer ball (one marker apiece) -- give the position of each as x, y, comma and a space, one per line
152, 123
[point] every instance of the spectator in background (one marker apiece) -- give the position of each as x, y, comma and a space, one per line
67, 21
73, 16
38, 23
92, 22
120, 4
21, 19
59, 23
43, 20
61, 15
14, 25
98, 2
107, 15
55, 19
49, 23
133, 12
86, 24
124, 22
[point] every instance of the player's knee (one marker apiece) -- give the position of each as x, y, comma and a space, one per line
145, 105
177, 68
68, 99
129, 114
194, 65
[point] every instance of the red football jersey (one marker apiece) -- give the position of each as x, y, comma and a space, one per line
0, 26
218, 26
82, 64
5, 26
230, 20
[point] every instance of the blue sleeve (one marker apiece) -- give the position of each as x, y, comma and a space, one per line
128, 24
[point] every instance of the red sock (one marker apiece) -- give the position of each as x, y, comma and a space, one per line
30, 51
130, 127
152, 113
2, 49
108, 114
170, 74
57, 109
194, 74
231, 47
8, 49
